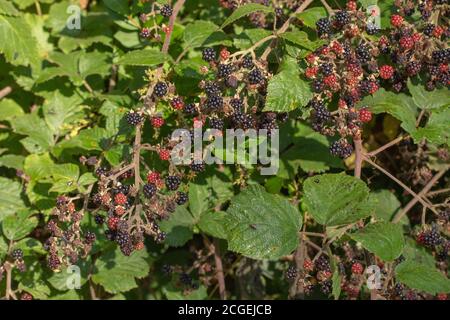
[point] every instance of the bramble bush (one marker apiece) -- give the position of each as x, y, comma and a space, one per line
94, 207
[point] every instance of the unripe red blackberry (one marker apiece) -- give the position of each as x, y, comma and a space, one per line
26, 296
149, 190
357, 268
153, 177
160, 89
166, 10
145, 33
351, 5
112, 223
406, 42
365, 115
308, 265
157, 122
120, 199
177, 103
134, 118
396, 20
386, 72
173, 182
164, 154
89, 237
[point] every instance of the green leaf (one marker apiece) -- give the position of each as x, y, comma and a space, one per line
261, 225
418, 254
310, 16
198, 199
387, 204
286, 91
384, 239
350, 199
301, 38
119, 6
422, 277
7, 8
213, 223
64, 177
428, 99
9, 109
437, 129
398, 105
172, 292
117, 273
12, 161
336, 292
10, 199
245, 10
19, 225
201, 33
18, 44
178, 227
38, 166
150, 57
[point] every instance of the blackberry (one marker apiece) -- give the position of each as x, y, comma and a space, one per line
53, 262
255, 76
171, 206
283, 117
224, 70
17, 254
318, 85
326, 287
441, 56
190, 109
123, 188
372, 29
326, 69
166, 10
209, 54
214, 102
145, 33
122, 238
134, 118
363, 52
160, 237
323, 26
173, 182
99, 219
291, 273
341, 18
428, 29
237, 104
341, 148
212, 88
127, 249
167, 269
413, 68
232, 82
322, 264
149, 190
185, 279
198, 167
247, 62
160, 89
181, 198
89, 237
322, 114
216, 123
431, 238
110, 235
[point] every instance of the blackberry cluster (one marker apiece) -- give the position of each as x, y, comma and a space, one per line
134, 118
160, 89
173, 182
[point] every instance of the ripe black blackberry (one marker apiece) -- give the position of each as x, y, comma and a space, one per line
326, 69
363, 52
209, 54
101, 171
160, 89
237, 104
291, 272
173, 182
322, 264
166, 10
341, 18
255, 76
53, 262
323, 27
122, 238
89, 237
181, 198
283, 117
198, 167
212, 88
413, 68
318, 85
149, 190
134, 118
17, 254
247, 62
224, 70
123, 188
431, 238
160, 237
428, 29
441, 56
185, 279
99, 219
322, 114
326, 287
110, 235
190, 109
167, 269
214, 102
372, 29
216, 123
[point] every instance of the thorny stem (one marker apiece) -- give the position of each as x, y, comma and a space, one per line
219, 270
284, 27
176, 9
422, 193
327, 7
358, 156
5, 91
386, 146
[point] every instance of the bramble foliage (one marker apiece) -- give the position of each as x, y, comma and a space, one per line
91, 91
